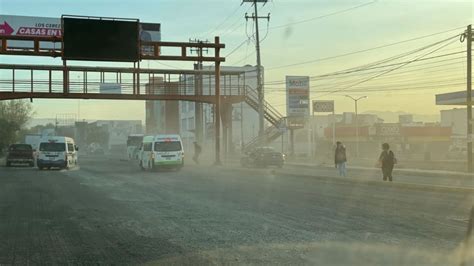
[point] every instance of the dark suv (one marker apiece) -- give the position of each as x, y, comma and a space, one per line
20, 154
262, 157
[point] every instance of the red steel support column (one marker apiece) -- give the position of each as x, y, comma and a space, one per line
50, 81
133, 74
65, 78
217, 113
31, 81
138, 78
13, 80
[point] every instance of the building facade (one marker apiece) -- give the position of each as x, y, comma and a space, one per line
244, 125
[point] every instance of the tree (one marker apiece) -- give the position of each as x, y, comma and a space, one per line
14, 115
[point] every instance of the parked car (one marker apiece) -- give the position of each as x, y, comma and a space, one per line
263, 157
20, 154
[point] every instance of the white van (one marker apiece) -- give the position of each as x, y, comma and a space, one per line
161, 151
56, 151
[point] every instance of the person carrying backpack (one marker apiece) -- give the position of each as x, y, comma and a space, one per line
387, 161
340, 158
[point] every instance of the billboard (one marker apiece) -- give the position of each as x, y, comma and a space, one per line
297, 95
98, 39
47, 26
30, 26
323, 106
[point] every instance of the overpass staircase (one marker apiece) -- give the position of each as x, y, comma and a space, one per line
271, 114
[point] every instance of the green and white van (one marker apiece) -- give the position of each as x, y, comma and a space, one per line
161, 151
57, 151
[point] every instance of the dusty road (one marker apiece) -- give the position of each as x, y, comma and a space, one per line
108, 211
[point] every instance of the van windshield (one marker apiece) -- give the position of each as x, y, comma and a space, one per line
168, 146
50, 146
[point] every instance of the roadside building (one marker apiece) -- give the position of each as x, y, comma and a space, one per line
243, 119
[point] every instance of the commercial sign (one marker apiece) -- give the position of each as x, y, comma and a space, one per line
51, 27
297, 95
323, 106
30, 26
296, 122
388, 130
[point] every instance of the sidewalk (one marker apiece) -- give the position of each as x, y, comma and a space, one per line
399, 170
362, 165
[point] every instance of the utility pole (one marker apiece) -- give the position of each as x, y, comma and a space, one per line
260, 90
198, 88
468, 37
357, 121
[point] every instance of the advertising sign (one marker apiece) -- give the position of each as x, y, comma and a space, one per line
296, 122
323, 106
389, 130
47, 26
100, 40
297, 95
30, 26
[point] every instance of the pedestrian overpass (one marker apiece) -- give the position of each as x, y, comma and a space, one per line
28, 81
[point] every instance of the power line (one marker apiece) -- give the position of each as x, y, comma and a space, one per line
226, 19
237, 24
404, 72
303, 21
355, 70
419, 88
375, 64
385, 66
390, 70
363, 50
405, 83
323, 16
237, 48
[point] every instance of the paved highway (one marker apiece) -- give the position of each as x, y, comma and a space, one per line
108, 211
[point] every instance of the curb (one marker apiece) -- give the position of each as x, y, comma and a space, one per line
400, 170
374, 182
348, 180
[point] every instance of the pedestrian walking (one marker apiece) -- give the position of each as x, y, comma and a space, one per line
340, 159
197, 152
387, 161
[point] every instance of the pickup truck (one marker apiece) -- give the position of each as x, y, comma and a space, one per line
20, 154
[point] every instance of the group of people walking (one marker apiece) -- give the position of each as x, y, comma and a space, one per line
386, 161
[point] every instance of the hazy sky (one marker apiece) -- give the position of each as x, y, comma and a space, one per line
317, 29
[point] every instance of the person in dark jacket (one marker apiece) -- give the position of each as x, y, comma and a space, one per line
340, 159
387, 161
197, 152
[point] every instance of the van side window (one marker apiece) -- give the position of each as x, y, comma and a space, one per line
70, 147
147, 146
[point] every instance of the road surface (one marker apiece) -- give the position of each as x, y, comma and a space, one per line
107, 211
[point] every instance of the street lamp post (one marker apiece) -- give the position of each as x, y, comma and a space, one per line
357, 121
